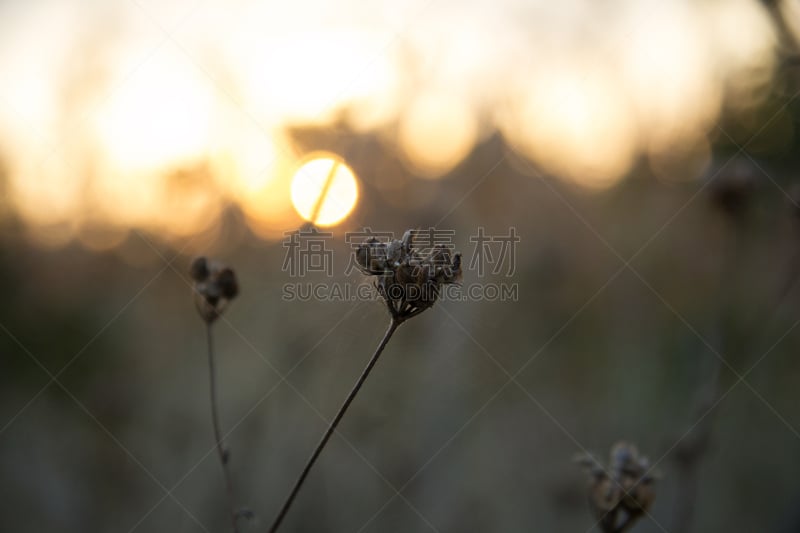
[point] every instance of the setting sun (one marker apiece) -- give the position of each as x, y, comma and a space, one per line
324, 190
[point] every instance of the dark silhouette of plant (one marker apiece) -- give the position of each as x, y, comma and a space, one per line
214, 288
732, 194
409, 282
622, 492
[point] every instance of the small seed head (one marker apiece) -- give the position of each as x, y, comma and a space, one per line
621, 492
226, 280
199, 269
409, 280
214, 287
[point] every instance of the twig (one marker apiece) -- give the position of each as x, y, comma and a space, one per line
690, 455
221, 451
393, 325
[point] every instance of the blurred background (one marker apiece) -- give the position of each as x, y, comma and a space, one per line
647, 155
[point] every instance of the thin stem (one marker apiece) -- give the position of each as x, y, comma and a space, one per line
691, 456
332, 427
221, 451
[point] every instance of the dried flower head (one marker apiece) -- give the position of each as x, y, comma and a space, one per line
215, 286
408, 279
622, 492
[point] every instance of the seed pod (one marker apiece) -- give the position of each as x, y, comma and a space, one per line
439, 255
621, 493
228, 286
199, 269
214, 288
408, 281
394, 253
371, 256
362, 257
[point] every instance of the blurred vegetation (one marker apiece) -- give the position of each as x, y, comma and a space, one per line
604, 360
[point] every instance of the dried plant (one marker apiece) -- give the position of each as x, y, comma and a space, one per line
214, 288
409, 282
623, 491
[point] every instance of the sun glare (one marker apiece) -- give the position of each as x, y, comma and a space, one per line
324, 190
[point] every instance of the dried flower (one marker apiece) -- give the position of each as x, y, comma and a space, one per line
621, 493
214, 287
408, 280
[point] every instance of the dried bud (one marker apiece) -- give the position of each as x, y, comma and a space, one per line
371, 256
226, 279
199, 269
622, 492
214, 287
408, 280
395, 252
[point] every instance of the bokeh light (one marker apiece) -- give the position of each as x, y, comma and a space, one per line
174, 113
437, 132
575, 123
324, 190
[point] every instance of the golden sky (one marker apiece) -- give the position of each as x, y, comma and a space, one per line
147, 114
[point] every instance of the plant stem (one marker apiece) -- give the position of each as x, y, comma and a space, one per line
689, 458
395, 322
221, 451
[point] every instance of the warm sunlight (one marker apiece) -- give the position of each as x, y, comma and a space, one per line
575, 123
437, 132
160, 115
324, 190
156, 117
256, 173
